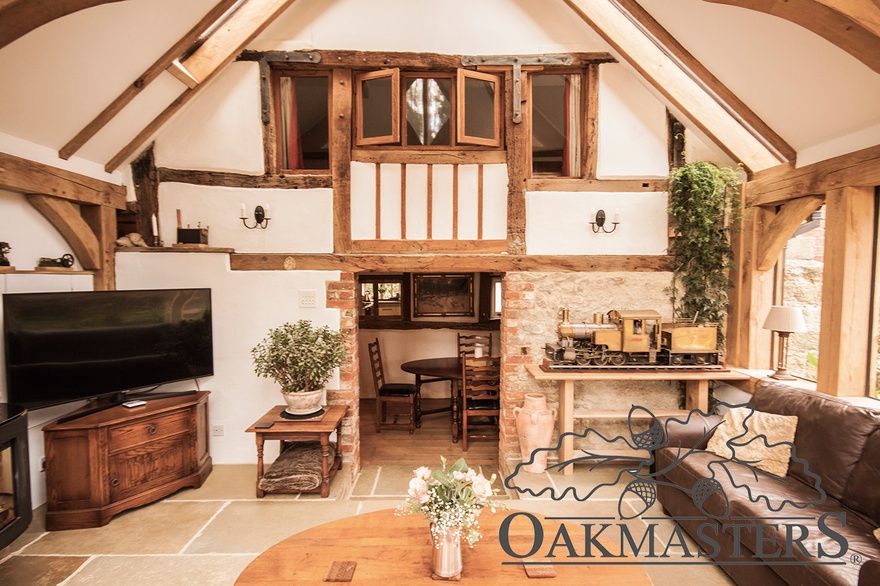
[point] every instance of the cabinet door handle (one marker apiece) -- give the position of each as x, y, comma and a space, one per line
151, 430
114, 482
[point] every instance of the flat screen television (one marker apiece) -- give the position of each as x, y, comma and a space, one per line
63, 347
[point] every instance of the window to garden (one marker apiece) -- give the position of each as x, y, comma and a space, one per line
802, 287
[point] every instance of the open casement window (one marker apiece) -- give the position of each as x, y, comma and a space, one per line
378, 107
303, 121
557, 124
479, 119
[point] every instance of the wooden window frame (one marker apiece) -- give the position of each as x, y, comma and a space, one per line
462, 75
394, 74
404, 280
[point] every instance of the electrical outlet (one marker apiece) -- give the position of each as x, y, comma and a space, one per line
217, 430
308, 298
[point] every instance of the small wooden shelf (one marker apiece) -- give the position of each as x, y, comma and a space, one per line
218, 250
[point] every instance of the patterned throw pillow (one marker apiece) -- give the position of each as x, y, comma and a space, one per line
766, 444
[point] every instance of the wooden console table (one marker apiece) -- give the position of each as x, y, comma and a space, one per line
397, 550
696, 394
307, 430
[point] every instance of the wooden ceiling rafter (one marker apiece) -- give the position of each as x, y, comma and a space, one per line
164, 63
852, 25
683, 87
216, 51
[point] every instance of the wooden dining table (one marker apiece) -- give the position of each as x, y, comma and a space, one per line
430, 370
382, 548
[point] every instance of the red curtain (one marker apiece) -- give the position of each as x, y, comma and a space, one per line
294, 141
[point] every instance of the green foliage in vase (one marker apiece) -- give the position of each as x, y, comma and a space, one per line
703, 203
299, 357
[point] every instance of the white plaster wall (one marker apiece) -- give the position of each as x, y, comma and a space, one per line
221, 129
301, 219
633, 128
559, 223
246, 304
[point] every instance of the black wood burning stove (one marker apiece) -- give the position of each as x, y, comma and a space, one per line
15, 485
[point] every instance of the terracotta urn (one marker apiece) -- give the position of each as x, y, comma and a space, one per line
534, 427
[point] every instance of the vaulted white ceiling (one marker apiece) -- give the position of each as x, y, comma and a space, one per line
817, 97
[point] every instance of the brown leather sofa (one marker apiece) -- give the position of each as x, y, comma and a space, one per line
837, 443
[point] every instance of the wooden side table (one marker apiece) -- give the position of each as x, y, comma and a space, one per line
298, 431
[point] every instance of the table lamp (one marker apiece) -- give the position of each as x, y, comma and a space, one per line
784, 321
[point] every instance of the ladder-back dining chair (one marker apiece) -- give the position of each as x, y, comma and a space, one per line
480, 392
468, 344
391, 394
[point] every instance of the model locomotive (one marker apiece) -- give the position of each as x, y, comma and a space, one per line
639, 337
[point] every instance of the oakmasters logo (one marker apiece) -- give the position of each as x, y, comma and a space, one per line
736, 489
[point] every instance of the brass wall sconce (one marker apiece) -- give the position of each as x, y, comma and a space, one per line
598, 222
784, 321
261, 217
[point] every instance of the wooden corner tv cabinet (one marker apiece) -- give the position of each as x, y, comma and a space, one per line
102, 464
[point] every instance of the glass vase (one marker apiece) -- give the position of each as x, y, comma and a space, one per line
446, 561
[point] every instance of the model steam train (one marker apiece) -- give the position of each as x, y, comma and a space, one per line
639, 337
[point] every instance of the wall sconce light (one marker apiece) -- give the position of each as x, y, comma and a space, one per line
598, 222
261, 217
784, 321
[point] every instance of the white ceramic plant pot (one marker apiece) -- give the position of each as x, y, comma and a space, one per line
304, 403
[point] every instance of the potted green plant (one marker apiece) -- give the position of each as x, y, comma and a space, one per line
300, 358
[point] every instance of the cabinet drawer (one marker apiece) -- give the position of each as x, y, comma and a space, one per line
152, 464
148, 429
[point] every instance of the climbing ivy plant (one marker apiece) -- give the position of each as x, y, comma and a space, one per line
703, 205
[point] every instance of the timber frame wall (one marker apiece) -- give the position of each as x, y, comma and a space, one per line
776, 202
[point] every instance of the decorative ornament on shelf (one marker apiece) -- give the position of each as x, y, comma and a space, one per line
300, 358
451, 500
4, 262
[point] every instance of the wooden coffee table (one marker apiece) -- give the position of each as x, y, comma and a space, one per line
297, 431
397, 550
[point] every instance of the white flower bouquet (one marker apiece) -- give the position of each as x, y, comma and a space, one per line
450, 499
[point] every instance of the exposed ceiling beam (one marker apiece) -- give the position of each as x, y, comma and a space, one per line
19, 17
147, 77
681, 86
26, 176
786, 182
219, 49
852, 25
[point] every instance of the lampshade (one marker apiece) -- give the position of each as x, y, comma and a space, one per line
785, 319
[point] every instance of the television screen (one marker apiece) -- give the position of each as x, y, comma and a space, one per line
62, 347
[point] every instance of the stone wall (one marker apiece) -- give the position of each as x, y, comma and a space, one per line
530, 315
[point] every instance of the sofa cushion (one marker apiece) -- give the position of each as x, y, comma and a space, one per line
863, 489
753, 437
831, 432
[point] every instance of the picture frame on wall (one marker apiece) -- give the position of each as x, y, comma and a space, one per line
443, 295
